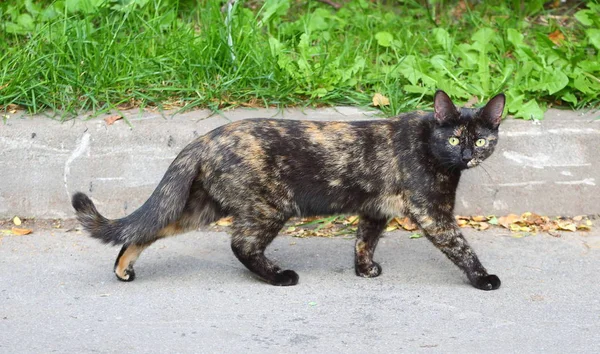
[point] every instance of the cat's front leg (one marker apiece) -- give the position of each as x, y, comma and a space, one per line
446, 236
367, 236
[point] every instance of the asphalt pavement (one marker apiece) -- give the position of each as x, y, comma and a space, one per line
58, 295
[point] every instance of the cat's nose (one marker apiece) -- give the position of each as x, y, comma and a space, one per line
467, 155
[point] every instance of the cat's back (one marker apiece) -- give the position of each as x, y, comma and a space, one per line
295, 134
261, 140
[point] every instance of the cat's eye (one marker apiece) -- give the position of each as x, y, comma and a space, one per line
453, 141
480, 142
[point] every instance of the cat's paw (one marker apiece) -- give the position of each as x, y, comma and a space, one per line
371, 271
488, 282
128, 274
286, 278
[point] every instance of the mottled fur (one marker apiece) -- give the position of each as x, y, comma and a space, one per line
264, 171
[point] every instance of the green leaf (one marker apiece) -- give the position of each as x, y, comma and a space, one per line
569, 97
552, 81
583, 16
13, 28
482, 38
594, 36
414, 71
585, 85
530, 110
275, 46
320, 92
72, 5
415, 235
533, 6
26, 22
483, 70
348, 74
443, 38
33, 9
515, 37
589, 65
304, 43
416, 89
407, 67
468, 55
49, 13
272, 9
493, 221
384, 39
91, 6
317, 20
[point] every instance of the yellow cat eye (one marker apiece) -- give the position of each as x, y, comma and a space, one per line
453, 141
480, 142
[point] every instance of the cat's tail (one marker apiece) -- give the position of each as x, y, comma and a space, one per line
165, 205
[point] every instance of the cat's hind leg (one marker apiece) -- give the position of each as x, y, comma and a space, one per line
130, 252
124, 263
250, 239
367, 236
200, 210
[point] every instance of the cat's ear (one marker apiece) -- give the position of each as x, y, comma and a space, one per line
492, 112
443, 108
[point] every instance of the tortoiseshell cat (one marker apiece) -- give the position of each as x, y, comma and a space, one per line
264, 171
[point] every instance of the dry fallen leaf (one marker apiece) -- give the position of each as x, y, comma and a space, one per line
290, 229
17, 231
459, 10
566, 226
584, 227
482, 226
509, 219
408, 225
351, 220
521, 225
380, 100
463, 223
391, 228
556, 37
554, 4
111, 119
394, 224
225, 221
532, 218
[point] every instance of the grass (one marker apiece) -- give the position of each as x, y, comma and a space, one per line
77, 55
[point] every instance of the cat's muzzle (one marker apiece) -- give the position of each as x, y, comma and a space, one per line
473, 163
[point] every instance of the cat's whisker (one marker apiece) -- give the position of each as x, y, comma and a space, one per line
491, 168
486, 171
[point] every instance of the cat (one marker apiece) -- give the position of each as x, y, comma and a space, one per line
264, 171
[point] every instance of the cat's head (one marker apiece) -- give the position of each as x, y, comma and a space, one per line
463, 138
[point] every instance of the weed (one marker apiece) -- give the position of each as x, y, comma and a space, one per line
99, 55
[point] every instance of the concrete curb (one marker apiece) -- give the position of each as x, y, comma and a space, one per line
549, 167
